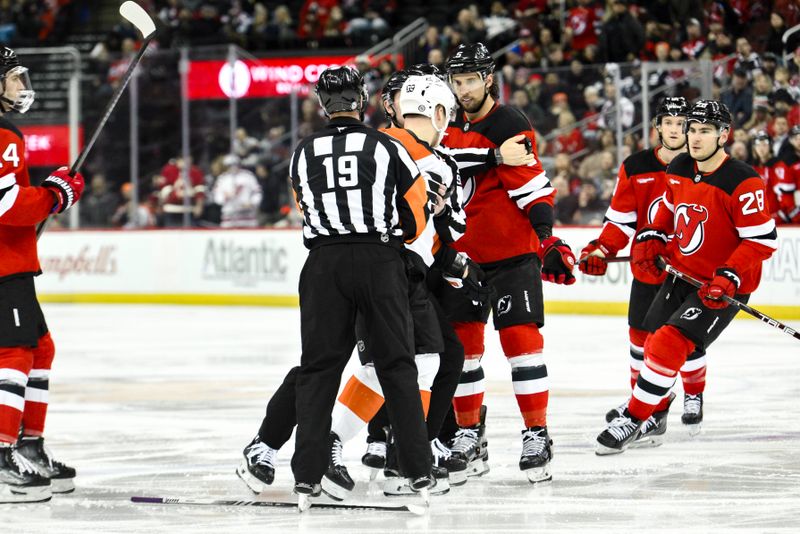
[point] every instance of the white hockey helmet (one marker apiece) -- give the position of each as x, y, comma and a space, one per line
421, 95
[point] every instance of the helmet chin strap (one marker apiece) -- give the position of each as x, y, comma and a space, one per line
710, 155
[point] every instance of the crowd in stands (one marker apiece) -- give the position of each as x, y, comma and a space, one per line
558, 67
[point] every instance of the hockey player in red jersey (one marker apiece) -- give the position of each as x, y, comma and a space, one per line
637, 195
778, 179
510, 214
27, 472
715, 208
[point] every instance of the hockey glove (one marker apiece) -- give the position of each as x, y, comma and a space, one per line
68, 189
593, 259
725, 283
648, 245
465, 274
557, 261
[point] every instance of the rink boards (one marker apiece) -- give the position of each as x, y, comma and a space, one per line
262, 267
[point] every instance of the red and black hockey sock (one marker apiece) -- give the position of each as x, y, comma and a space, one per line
693, 373
15, 365
664, 353
471, 386
522, 345
37, 390
637, 339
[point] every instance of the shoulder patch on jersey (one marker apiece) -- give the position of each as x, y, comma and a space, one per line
730, 174
6, 124
643, 162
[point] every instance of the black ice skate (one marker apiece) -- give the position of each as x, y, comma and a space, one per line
693, 413
20, 481
613, 413
653, 430
304, 492
396, 482
618, 435
257, 470
537, 451
375, 458
456, 467
62, 477
470, 444
336, 483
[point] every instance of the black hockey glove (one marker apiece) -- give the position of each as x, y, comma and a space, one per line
463, 273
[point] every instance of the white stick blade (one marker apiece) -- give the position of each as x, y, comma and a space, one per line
136, 15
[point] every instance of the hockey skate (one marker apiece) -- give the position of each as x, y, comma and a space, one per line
653, 430
375, 458
304, 492
444, 458
62, 477
616, 412
619, 434
470, 445
537, 452
257, 470
693, 413
20, 480
437, 484
336, 483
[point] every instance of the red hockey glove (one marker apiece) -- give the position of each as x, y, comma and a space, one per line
67, 188
725, 283
593, 259
465, 274
557, 261
648, 244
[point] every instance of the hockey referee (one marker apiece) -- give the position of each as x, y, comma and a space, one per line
362, 196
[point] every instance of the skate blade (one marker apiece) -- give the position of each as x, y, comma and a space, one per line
399, 487
694, 430
647, 442
457, 478
373, 473
303, 503
477, 468
62, 485
255, 485
537, 475
333, 490
602, 450
10, 494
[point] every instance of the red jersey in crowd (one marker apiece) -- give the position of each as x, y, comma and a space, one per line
780, 187
717, 218
497, 201
582, 20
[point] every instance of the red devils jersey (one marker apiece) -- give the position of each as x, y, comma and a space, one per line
717, 219
581, 21
21, 207
497, 201
779, 183
637, 195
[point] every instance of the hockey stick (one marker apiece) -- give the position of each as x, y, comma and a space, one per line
741, 305
414, 509
136, 15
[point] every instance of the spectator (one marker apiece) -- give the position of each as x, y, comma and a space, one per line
747, 60
246, 147
777, 27
370, 27
562, 167
779, 133
739, 98
498, 22
521, 101
739, 151
565, 203
570, 139
590, 208
694, 44
143, 216
582, 25
98, 204
760, 118
608, 112
238, 193
622, 36
171, 190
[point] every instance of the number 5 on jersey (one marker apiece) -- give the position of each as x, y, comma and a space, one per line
347, 167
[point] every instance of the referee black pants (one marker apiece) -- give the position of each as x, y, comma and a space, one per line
337, 282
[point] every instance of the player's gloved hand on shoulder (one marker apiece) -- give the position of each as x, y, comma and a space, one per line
68, 189
725, 283
648, 245
558, 261
593, 259
465, 274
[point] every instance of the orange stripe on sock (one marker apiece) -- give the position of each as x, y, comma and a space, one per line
426, 401
360, 399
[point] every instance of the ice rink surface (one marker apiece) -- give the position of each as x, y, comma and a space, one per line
156, 400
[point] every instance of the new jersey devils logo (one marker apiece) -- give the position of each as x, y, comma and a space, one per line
468, 189
689, 222
653, 209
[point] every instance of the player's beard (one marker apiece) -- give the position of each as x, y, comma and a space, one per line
476, 105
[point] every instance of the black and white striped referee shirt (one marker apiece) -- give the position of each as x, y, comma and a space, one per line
352, 181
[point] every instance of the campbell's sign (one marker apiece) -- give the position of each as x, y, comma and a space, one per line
48, 146
257, 78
